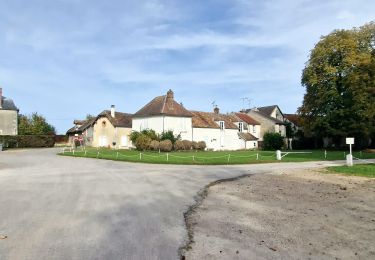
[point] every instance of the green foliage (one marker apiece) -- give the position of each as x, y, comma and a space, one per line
21, 141
272, 141
340, 86
143, 142
34, 125
134, 136
168, 135
151, 134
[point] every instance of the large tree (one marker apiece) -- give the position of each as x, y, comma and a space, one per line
340, 85
34, 124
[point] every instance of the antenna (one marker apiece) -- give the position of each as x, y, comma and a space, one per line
214, 104
244, 99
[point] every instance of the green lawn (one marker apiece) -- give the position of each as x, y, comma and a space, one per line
207, 157
365, 170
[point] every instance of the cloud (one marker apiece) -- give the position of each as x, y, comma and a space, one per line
68, 58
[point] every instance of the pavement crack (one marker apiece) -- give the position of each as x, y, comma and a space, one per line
201, 195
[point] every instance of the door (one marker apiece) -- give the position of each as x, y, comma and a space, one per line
124, 141
103, 140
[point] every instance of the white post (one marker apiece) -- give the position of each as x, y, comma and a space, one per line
117, 155
350, 149
140, 156
85, 153
325, 154
97, 155
73, 152
257, 156
278, 155
228, 157
193, 158
349, 160
167, 156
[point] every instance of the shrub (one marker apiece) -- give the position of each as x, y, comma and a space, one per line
179, 145
134, 136
195, 145
272, 141
143, 142
166, 146
187, 145
21, 141
168, 135
154, 145
202, 145
150, 133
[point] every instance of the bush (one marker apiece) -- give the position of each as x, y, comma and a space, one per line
187, 145
166, 146
195, 145
143, 142
22, 141
179, 145
202, 145
154, 145
150, 133
272, 141
169, 136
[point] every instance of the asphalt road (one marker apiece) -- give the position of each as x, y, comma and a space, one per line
55, 207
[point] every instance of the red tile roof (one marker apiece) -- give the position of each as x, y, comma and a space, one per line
247, 119
210, 120
163, 105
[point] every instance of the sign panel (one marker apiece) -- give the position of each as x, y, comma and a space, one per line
350, 140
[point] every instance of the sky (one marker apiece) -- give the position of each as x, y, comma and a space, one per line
68, 58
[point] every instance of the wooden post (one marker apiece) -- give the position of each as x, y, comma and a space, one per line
193, 158
97, 155
116, 155
325, 154
73, 152
140, 156
257, 156
228, 157
85, 153
167, 156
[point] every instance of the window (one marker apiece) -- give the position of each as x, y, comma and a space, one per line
222, 125
240, 127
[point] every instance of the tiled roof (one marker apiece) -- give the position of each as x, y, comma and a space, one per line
8, 104
247, 119
210, 120
163, 105
294, 118
247, 137
275, 120
267, 109
120, 119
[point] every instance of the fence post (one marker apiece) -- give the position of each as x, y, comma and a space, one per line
85, 153
116, 155
278, 155
257, 156
140, 156
167, 156
193, 158
325, 154
228, 157
97, 155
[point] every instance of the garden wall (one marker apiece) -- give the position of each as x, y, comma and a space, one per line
22, 141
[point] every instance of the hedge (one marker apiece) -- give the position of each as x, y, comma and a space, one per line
23, 141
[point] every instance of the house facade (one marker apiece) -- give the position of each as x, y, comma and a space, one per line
271, 119
8, 116
218, 131
108, 129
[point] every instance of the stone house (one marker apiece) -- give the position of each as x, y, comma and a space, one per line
8, 116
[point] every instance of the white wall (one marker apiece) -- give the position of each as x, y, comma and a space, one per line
179, 125
8, 122
217, 139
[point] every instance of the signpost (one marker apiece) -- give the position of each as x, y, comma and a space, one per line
349, 157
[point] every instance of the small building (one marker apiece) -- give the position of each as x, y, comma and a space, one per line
8, 116
108, 129
271, 119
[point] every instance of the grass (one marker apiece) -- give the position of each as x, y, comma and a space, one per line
365, 170
208, 157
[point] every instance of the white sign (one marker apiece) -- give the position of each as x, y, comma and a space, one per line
350, 140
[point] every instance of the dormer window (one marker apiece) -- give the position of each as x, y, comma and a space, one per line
222, 125
240, 127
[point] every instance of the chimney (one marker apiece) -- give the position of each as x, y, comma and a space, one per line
1, 98
216, 110
113, 111
170, 95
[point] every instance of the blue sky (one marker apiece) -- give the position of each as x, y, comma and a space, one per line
67, 58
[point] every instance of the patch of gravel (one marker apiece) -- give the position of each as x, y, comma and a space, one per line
302, 214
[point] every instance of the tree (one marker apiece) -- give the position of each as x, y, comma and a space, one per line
339, 78
34, 124
168, 135
272, 141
